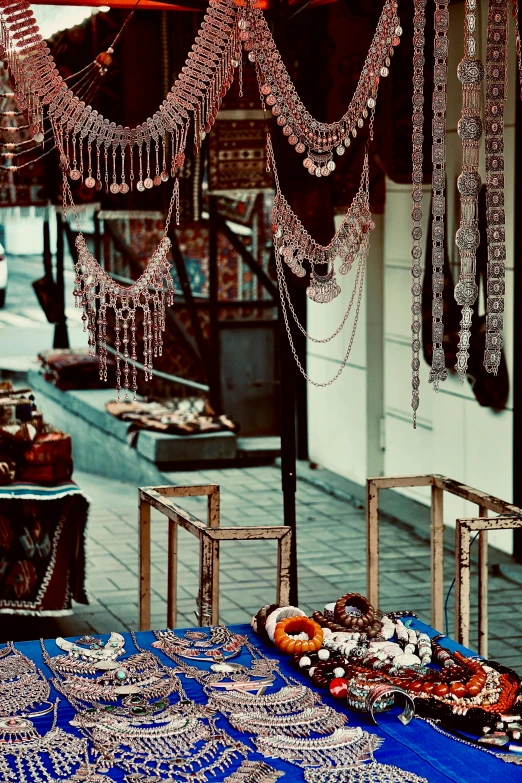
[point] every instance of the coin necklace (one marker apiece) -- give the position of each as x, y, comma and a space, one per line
342, 748
24, 690
470, 72
85, 84
318, 140
197, 92
496, 87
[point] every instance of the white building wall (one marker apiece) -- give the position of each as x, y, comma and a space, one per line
455, 436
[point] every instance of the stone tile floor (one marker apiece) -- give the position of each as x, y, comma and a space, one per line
331, 556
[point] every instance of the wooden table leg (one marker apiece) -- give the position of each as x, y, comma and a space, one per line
144, 556
372, 543
208, 580
483, 587
462, 583
437, 558
172, 583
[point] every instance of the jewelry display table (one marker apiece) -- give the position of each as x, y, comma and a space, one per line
42, 557
415, 748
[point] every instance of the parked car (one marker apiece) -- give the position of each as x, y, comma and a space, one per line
3, 275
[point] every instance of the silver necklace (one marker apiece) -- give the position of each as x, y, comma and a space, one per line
471, 74
371, 772
26, 756
341, 748
90, 648
24, 690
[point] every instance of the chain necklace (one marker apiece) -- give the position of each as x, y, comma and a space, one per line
24, 691
293, 244
471, 74
318, 140
496, 89
509, 758
198, 91
419, 23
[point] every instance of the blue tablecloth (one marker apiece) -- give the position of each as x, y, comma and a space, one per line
416, 747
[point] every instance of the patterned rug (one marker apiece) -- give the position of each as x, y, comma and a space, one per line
42, 553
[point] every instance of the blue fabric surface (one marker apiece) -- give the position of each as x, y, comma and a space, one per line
417, 747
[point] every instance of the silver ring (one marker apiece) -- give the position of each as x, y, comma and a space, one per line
375, 693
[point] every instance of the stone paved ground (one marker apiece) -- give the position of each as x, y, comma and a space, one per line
331, 554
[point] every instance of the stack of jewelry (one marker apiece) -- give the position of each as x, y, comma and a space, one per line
284, 721
139, 674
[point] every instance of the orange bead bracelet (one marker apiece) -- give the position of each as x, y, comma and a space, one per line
295, 625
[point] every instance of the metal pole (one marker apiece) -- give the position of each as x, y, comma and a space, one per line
61, 336
47, 257
214, 362
287, 367
288, 448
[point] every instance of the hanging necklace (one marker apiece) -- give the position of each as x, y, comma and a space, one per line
419, 22
198, 91
151, 292
370, 772
438, 372
85, 84
318, 140
471, 74
293, 244
496, 88
24, 691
